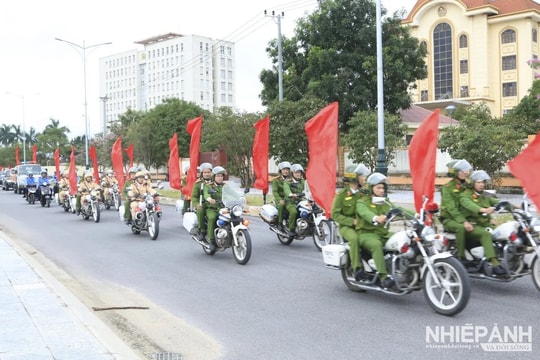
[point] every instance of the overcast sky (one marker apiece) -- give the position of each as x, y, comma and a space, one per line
49, 73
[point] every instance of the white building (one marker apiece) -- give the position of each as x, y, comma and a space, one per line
188, 67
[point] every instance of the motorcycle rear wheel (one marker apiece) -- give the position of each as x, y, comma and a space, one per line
454, 295
153, 226
535, 271
242, 252
325, 229
348, 277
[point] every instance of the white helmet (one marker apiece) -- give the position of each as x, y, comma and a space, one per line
297, 167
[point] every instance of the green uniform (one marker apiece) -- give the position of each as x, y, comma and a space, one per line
451, 215
212, 210
373, 237
471, 202
127, 202
344, 213
293, 187
196, 199
279, 194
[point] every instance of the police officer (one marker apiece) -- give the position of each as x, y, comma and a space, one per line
344, 211
138, 189
127, 203
212, 193
198, 201
284, 169
293, 190
87, 184
477, 207
452, 217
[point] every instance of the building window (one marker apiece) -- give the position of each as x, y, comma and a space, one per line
534, 35
509, 89
423, 95
442, 61
463, 41
509, 62
508, 36
463, 66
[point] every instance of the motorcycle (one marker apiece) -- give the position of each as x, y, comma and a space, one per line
147, 217
414, 260
46, 194
112, 197
31, 194
68, 204
310, 222
516, 243
231, 230
90, 205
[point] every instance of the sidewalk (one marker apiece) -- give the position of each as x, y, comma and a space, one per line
42, 320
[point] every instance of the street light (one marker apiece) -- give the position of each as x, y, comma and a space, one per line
22, 97
382, 166
450, 110
83, 47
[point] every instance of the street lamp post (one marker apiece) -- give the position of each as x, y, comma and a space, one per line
450, 110
83, 48
22, 97
382, 165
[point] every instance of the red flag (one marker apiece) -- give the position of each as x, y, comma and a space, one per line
422, 157
17, 160
322, 136
174, 163
129, 151
93, 156
57, 163
525, 168
118, 162
72, 174
194, 129
260, 153
34, 154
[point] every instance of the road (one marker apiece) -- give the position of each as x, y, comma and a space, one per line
282, 305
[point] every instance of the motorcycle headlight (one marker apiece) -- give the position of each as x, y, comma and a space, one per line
304, 214
428, 233
237, 210
93, 193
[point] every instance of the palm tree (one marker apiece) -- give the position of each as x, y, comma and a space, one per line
6, 137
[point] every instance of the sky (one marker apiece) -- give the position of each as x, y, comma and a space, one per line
42, 78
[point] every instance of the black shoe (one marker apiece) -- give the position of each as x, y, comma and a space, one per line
128, 222
466, 263
388, 283
360, 275
499, 270
212, 245
291, 234
78, 212
201, 236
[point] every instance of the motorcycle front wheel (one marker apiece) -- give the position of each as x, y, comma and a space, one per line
453, 295
323, 235
153, 226
242, 251
535, 271
117, 203
95, 212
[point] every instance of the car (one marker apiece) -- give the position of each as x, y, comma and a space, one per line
21, 172
6, 181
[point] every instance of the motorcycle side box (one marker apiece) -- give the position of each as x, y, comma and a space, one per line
334, 255
269, 214
189, 220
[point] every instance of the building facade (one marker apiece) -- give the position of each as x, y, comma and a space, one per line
191, 68
477, 51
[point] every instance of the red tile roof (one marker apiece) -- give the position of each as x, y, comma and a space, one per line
416, 115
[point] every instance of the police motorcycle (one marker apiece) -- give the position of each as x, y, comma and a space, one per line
112, 197
231, 230
516, 243
310, 222
46, 194
90, 205
414, 259
69, 201
147, 217
31, 193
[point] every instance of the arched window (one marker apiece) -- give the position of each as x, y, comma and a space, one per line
508, 36
534, 35
463, 42
442, 61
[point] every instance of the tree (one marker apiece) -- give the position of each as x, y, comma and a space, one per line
362, 137
333, 57
53, 136
526, 115
485, 142
6, 135
232, 132
288, 141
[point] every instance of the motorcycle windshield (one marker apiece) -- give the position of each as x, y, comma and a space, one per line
232, 197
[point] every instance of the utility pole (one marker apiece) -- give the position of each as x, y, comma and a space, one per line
382, 166
277, 18
104, 99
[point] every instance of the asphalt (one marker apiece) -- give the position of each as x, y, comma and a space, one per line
41, 320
